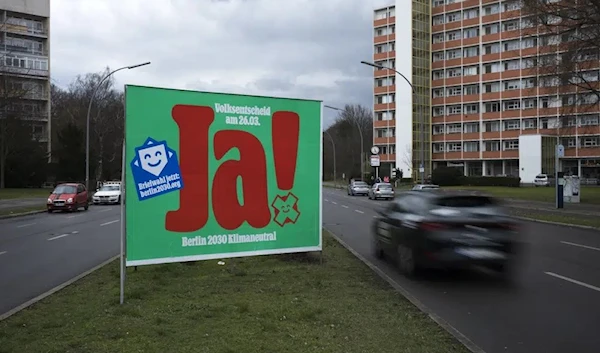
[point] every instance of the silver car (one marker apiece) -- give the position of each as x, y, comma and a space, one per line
358, 188
382, 191
419, 187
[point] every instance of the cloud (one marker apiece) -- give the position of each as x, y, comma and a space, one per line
292, 48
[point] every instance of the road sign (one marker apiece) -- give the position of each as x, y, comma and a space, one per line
193, 156
560, 151
375, 162
375, 150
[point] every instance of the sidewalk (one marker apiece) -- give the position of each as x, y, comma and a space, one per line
22, 203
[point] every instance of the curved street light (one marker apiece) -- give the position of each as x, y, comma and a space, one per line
362, 146
87, 123
421, 120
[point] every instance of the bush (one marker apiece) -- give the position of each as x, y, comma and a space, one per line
514, 182
447, 176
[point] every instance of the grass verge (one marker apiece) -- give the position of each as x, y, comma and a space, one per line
589, 194
20, 210
285, 303
560, 218
23, 193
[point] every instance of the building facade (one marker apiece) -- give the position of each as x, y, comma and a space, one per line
25, 64
490, 107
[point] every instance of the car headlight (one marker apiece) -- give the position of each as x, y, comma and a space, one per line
69, 200
49, 201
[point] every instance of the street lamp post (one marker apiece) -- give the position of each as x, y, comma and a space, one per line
334, 162
87, 124
362, 145
421, 117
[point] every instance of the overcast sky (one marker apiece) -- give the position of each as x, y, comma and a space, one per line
288, 48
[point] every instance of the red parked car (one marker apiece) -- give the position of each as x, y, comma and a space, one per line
68, 197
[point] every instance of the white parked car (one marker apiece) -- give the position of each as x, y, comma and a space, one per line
543, 180
108, 193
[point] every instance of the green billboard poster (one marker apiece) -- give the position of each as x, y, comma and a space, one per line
213, 175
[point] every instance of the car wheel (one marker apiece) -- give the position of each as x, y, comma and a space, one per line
87, 205
377, 250
49, 211
406, 260
119, 200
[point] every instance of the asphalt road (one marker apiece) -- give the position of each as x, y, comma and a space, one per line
42, 251
554, 305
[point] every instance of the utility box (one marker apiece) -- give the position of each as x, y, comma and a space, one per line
572, 189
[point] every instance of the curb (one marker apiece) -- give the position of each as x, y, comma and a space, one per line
56, 289
558, 223
21, 214
464, 340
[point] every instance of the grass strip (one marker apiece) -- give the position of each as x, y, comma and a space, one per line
284, 303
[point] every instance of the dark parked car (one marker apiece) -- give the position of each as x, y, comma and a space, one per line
439, 229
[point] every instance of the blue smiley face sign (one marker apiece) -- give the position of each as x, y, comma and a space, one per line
155, 169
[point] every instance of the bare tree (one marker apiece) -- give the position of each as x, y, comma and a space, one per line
571, 32
407, 159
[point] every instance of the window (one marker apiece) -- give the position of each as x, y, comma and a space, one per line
438, 111
492, 68
512, 105
491, 48
453, 17
437, 129
491, 29
491, 9
510, 25
589, 141
453, 54
438, 20
471, 89
471, 13
453, 128
438, 74
491, 107
471, 70
454, 91
492, 146
529, 124
511, 145
470, 128
512, 45
528, 83
589, 120
453, 147
470, 52
511, 85
438, 147
471, 33
512, 6
454, 35
569, 142
528, 43
512, 65
438, 56
512, 125
454, 109
454, 72
438, 38
492, 126
471, 146
438, 93
529, 103
491, 87
471, 108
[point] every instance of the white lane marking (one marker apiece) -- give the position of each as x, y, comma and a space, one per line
344, 206
597, 289
73, 216
374, 216
105, 210
333, 202
326, 200
580, 245
59, 236
107, 223
359, 211
3, 252
26, 225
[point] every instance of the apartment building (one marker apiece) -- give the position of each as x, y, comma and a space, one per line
492, 109
25, 63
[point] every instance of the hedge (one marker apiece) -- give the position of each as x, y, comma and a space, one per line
449, 176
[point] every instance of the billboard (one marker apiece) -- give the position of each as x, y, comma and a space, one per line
213, 175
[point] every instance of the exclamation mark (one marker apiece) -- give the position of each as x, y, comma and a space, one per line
285, 132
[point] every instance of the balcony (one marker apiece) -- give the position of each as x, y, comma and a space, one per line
14, 70
15, 49
23, 29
